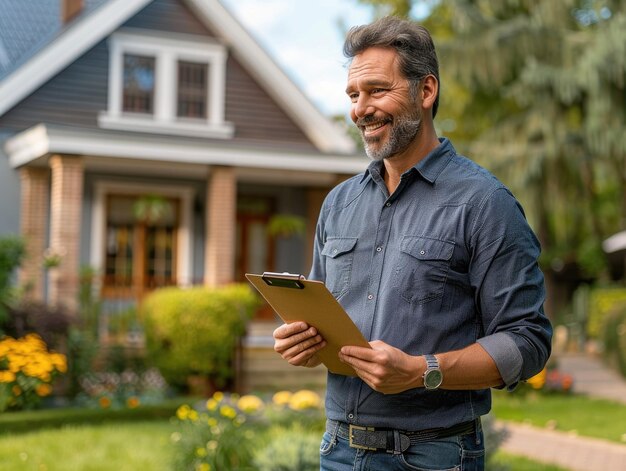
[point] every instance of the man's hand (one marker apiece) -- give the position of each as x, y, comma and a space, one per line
298, 344
384, 368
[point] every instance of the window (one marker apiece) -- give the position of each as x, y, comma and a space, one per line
174, 85
140, 254
193, 79
138, 84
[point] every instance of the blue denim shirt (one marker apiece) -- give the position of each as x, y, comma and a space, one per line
446, 261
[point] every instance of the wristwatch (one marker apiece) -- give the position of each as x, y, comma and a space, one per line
433, 377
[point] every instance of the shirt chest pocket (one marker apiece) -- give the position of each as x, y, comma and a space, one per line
338, 254
422, 269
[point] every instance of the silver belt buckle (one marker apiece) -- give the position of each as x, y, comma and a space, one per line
365, 429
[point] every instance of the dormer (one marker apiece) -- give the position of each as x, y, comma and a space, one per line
166, 85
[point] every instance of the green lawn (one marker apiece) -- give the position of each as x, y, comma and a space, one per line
139, 439
122, 446
589, 417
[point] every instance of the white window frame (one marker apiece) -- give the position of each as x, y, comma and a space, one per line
184, 265
167, 52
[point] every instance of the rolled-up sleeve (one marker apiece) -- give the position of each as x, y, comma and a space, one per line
510, 289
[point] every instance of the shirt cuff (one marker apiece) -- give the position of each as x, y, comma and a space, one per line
502, 348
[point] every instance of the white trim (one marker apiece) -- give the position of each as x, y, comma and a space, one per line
326, 134
39, 141
167, 52
184, 266
67, 47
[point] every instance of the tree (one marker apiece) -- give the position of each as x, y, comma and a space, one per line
539, 95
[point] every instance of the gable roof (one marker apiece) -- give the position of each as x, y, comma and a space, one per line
50, 46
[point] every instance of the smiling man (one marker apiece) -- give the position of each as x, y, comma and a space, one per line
433, 259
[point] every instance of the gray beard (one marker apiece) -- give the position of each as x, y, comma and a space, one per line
403, 132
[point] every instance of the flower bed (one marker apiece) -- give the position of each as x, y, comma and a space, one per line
247, 432
27, 371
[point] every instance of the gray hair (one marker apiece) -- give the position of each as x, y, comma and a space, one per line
412, 42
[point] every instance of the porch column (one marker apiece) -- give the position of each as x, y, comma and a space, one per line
221, 223
34, 202
65, 222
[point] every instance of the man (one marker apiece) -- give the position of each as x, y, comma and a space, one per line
432, 258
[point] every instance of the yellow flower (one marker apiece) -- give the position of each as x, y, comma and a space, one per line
282, 398
305, 399
183, 412
212, 404
539, 380
7, 376
201, 452
104, 402
228, 412
132, 402
218, 396
43, 390
16, 390
249, 403
203, 467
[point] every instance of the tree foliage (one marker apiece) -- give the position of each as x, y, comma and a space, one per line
534, 90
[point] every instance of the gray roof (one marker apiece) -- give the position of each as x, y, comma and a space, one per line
26, 26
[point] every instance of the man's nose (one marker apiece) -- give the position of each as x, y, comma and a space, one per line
362, 106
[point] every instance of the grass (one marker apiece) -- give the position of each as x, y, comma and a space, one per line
588, 417
134, 439
123, 446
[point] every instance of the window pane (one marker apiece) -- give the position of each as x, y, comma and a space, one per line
193, 80
138, 84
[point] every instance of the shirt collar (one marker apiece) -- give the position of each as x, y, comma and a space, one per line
430, 167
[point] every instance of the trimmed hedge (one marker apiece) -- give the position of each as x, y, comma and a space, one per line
195, 331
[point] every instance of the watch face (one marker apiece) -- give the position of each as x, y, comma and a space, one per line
433, 379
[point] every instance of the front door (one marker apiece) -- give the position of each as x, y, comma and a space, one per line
255, 246
141, 243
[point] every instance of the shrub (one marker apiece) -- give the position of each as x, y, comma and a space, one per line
290, 449
195, 331
614, 338
12, 250
601, 303
27, 370
51, 323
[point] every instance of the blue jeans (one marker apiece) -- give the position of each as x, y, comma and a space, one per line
457, 453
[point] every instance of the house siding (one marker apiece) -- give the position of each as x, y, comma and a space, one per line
9, 198
77, 95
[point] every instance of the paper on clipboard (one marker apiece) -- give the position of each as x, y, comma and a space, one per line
296, 299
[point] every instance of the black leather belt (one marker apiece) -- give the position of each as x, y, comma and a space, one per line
390, 440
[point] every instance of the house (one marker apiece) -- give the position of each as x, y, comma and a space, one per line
107, 106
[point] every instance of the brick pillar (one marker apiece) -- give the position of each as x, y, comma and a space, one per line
221, 223
35, 196
65, 214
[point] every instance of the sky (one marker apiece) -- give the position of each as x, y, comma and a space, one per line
305, 38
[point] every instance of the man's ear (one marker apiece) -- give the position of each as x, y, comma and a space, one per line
429, 90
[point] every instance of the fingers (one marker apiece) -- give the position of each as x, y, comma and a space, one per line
298, 343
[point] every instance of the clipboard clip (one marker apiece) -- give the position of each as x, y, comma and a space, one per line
283, 280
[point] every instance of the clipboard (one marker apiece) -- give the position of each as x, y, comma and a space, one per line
296, 299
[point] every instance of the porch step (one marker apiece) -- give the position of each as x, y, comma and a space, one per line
262, 369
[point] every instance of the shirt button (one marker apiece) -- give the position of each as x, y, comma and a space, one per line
387, 204
370, 296
335, 251
378, 249
422, 252
350, 416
